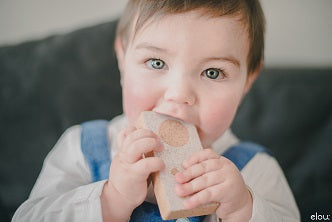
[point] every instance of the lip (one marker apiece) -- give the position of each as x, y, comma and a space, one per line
175, 115
170, 115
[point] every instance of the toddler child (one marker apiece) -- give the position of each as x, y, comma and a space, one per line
193, 60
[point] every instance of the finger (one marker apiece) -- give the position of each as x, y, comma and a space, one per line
199, 157
205, 196
120, 137
145, 167
197, 170
123, 134
198, 184
136, 135
142, 146
129, 130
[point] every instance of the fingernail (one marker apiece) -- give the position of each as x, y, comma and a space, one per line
179, 178
160, 148
177, 190
185, 164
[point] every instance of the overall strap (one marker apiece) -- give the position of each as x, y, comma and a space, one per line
241, 153
96, 149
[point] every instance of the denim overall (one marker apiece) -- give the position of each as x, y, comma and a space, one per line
96, 150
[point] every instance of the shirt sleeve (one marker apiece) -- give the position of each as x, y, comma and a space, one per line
272, 198
63, 190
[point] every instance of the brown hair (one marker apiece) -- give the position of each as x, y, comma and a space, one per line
138, 12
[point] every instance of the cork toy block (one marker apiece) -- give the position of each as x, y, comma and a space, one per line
180, 140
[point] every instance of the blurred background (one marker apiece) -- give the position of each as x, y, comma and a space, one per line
299, 32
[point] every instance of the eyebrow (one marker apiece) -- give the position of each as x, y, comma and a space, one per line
148, 46
230, 59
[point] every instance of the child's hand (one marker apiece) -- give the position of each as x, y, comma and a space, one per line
208, 177
129, 171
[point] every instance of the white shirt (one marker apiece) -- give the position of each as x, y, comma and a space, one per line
64, 192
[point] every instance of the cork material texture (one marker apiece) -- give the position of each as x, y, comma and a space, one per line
180, 140
173, 133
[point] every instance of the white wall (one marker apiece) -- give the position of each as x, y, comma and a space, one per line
33, 19
299, 32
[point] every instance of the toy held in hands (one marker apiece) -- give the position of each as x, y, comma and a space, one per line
180, 140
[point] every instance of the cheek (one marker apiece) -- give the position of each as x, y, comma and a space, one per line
136, 98
217, 117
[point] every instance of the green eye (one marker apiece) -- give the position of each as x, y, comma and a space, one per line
212, 73
157, 63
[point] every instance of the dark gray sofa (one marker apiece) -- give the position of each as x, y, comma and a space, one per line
51, 84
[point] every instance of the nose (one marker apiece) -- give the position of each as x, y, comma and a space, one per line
180, 90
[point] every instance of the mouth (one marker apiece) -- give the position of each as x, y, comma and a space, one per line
177, 115
169, 115
172, 115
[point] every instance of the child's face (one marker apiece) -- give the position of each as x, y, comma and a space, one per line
190, 67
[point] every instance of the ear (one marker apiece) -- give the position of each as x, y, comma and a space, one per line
119, 51
252, 77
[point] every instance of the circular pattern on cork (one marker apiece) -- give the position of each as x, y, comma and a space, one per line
173, 133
